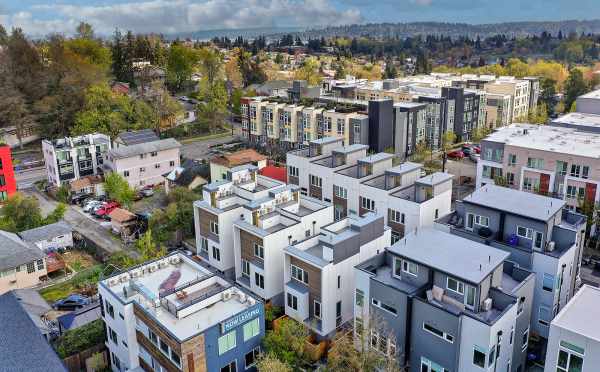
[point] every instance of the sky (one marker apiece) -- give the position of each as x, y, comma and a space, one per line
40, 17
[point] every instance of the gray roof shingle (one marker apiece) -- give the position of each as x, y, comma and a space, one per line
23, 346
15, 252
137, 136
144, 148
46, 232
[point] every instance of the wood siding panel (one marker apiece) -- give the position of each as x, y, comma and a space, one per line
247, 241
151, 324
155, 352
314, 283
340, 203
293, 180
315, 192
205, 219
193, 354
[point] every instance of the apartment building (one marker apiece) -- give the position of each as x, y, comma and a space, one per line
589, 103
497, 110
263, 230
222, 203
357, 183
580, 121
534, 91
518, 89
561, 162
72, 158
440, 302
8, 184
22, 264
144, 164
574, 342
538, 232
172, 314
319, 271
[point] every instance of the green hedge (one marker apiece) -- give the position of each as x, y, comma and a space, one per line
79, 339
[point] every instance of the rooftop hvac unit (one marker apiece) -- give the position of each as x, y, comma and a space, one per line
112, 281
174, 260
551, 246
226, 296
162, 264
157, 303
251, 301
136, 273
487, 304
153, 268
242, 296
124, 278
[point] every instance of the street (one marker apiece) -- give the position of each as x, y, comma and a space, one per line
26, 178
83, 223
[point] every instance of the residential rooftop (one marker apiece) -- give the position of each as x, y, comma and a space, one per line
137, 136
46, 232
238, 158
73, 142
440, 250
595, 94
179, 294
578, 118
144, 148
517, 202
16, 252
548, 138
579, 316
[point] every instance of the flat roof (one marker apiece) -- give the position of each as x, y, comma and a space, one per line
579, 315
452, 254
549, 138
517, 202
579, 118
434, 178
404, 168
325, 140
144, 148
595, 94
349, 149
375, 158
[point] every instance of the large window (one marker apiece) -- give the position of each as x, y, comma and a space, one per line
561, 167
259, 280
293, 171
259, 251
396, 216
524, 232
367, 204
251, 329
479, 357
360, 297
299, 274
230, 367
536, 163
548, 282
214, 227
216, 253
384, 306
292, 301
245, 268
474, 219
430, 366
455, 286
436, 332
316, 181
226, 342
544, 316
404, 266
340, 192
570, 358
251, 357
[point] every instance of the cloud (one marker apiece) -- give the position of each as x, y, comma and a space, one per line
170, 16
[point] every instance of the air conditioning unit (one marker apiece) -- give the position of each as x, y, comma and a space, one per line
226, 296
153, 268
174, 260
136, 274
124, 278
487, 304
242, 296
551, 246
251, 301
162, 264
112, 281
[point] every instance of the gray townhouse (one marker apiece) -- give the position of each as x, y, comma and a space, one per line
538, 232
440, 302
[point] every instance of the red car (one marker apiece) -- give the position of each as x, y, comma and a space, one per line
456, 154
106, 209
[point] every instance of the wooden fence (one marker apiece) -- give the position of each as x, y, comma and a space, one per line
81, 361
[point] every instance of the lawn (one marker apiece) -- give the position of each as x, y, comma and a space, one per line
83, 282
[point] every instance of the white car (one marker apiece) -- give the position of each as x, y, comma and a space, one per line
89, 206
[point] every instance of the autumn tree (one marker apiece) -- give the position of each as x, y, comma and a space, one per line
180, 65
309, 71
575, 86
22, 212
117, 188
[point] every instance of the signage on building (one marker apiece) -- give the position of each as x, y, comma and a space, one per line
231, 323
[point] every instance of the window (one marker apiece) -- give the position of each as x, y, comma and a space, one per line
531, 184
204, 245
575, 170
216, 253
585, 172
482, 221
259, 251
384, 306
245, 268
512, 159
538, 240
478, 357
259, 280
142, 169
339, 281
231, 367
360, 297
510, 178
512, 335
30, 267
110, 309
470, 297
492, 356
544, 316
317, 309
570, 358
340, 192
536, 163
396, 216
524, 232
299, 274
175, 358
436, 332
367, 204
410, 267
292, 301
561, 167
157, 166
571, 192
226, 342
395, 237
40, 264
548, 282
251, 329
164, 347
316, 181
338, 311
455, 286
172, 163
113, 335
525, 340
251, 357
429, 366
214, 227
293, 171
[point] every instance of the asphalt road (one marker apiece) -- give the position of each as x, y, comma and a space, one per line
26, 178
83, 223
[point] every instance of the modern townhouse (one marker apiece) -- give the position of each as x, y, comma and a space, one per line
22, 264
538, 232
518, 89
319, 271
410, 127
71, 158
440, 302
562, 162
264, 228
172, 314
144, 164
357, 183
534, 91
574, 342
222, 203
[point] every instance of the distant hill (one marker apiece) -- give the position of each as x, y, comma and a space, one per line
247, 33
403, 30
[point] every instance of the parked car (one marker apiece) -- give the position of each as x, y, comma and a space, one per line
477, 148
456, 154
106, 209
79, 198
474, 157
91, 204
71, 302
466, 149
147, 192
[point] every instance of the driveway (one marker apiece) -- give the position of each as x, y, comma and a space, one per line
83, 223
26, 178
201, 149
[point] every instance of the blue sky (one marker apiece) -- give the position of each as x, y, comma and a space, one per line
39, 17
